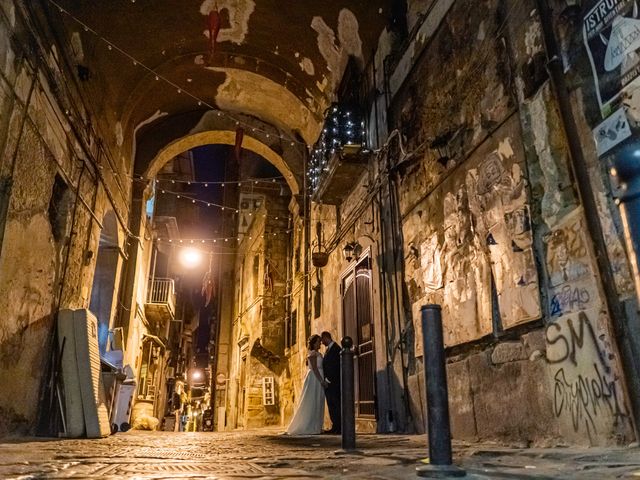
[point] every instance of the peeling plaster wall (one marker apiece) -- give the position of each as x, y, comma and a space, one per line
494, 231
523, 309
48, 235
239, 13
336, 53
265, 99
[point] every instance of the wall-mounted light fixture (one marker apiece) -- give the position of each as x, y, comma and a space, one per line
351, 250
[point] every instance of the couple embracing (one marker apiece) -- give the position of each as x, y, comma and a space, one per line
321, 381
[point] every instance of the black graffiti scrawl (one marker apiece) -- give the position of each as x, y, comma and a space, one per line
611, 33
587, 393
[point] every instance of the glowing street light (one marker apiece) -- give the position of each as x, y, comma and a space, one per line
190, 257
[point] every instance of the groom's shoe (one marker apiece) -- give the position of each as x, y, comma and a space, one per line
327, 432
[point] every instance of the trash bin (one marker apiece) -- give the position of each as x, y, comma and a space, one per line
122, 407
121, 386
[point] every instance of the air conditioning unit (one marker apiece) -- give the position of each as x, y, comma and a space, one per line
85, 411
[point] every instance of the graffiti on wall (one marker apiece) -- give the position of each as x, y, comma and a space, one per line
587, 391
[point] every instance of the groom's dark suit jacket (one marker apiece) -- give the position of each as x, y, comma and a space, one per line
331, 365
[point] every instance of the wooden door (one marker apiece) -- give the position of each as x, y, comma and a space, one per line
358, 324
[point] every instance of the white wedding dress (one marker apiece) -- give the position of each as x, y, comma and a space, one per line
309, 416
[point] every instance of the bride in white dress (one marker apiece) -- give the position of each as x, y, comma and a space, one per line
309, 416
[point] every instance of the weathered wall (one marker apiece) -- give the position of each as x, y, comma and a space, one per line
53, 199
493, 230
259, 317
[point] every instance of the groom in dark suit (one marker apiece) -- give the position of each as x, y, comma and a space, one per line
331, 368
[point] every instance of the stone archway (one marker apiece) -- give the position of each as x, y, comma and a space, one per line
224, 137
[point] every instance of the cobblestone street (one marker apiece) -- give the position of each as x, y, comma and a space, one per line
264, 454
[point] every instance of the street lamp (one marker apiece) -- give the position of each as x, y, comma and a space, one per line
190, 257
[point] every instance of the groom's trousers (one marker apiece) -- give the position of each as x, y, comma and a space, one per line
333, 402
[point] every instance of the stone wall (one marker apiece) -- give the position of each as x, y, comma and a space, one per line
54, 198
472, 204
494, 232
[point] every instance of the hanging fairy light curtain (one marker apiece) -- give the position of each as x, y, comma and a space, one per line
344, 126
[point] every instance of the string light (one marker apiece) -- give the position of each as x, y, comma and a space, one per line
211, 204
179, 89
240, 236
206, 183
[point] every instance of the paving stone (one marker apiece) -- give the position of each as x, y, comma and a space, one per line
265, 455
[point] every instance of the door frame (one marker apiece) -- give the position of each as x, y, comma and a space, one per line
366, 255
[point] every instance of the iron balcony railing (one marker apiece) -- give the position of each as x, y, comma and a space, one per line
162, 292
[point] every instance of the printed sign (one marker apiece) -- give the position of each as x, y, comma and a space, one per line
612, 131
611, 32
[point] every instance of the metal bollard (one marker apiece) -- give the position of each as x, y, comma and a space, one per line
348, 413
440, 459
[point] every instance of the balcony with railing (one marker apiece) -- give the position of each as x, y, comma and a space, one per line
338, 158
161, 301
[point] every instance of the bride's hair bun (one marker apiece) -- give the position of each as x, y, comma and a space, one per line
312, 340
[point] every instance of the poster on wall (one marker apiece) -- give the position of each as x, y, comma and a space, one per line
611, 34
470, 245
572, 282
499, 202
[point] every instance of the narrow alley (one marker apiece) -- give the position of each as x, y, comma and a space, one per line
237, 236
266, 454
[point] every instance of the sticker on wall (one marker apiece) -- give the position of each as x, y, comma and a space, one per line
612, 131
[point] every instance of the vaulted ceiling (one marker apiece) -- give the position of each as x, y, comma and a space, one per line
279, 61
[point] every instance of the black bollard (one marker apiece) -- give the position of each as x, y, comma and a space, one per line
347, 390
440, 459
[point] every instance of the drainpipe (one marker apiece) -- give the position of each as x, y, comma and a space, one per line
307, 235
128, 299
629, 360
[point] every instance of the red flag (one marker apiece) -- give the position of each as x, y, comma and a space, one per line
238, 146
214, 29
207, 288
